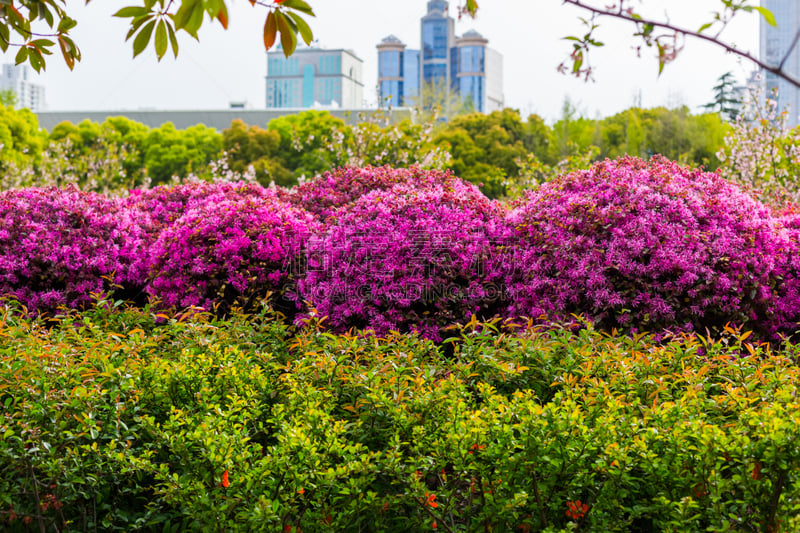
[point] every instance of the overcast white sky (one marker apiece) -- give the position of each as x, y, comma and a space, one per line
230, 65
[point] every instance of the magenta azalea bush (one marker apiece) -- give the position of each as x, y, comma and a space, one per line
165, 204
58, 247
343, 186
231, 252
406, 259
642, 245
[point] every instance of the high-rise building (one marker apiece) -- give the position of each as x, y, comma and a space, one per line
398, 72
464, 64
774, 45
18, 79
314, 77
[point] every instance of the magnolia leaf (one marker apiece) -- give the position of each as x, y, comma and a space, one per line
22, 55
270, 31
172, 39
131, 11
161, 39
299, 5
287, 31
302, 27
143, 38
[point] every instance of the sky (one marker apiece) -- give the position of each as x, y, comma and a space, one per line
226, 66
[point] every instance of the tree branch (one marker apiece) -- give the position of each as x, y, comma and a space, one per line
777, 70
789, 51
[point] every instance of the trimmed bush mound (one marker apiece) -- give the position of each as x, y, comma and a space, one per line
643, 245
231, 252
58, 246
165, 204
341, 187
111, 423
406, 259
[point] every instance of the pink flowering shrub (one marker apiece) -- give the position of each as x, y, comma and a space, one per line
58, 246
406, 259
785, 319
342, 186
165, 204
641, 245
231, 252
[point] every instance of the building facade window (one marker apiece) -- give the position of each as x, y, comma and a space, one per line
471, 89
434, 39
390, 65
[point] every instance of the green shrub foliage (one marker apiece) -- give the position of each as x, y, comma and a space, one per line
113, 423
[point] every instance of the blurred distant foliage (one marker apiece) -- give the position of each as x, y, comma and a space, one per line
499, 151
489, 149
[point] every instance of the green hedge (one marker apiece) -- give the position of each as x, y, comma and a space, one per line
124, 420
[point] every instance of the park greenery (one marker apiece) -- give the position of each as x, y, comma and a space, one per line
399, 323
492, 150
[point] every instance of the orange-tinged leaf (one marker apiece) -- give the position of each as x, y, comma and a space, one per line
270, 30
222, 16
225, 482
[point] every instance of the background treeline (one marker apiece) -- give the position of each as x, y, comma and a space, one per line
497, 150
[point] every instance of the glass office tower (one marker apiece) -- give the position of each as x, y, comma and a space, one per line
775, 43
464, 64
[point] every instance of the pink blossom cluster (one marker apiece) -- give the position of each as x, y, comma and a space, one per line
59, 246
165, 204
342, 186
231, 251
410, 258
637, 244
629, 244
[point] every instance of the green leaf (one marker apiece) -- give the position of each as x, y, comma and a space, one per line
302, 27
288, 35
161, 39
189, 17
195, 20
767, 14
35, 59
47, 15
143, 38
172, 39
136, 24
704, 27
66, 24
131, 11
4, 37
21, 56
299, 5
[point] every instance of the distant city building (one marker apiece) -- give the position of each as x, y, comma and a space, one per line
398, 72
775, 43
314, 77
18, 79
465, 64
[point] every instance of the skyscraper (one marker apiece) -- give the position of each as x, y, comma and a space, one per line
17, 79
774, 45
463, 64
314, 77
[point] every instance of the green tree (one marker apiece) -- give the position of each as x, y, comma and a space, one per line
311, 142
170, 152
8, 98
21, 139
725, 102
436, 101
250, 145
485, 148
